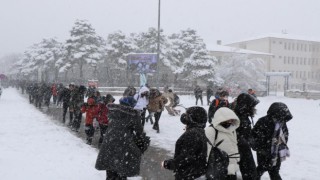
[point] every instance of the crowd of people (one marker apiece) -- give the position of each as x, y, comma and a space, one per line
226, 125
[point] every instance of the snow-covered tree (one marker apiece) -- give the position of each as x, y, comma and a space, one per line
84, 47
180, 47
241, 71
118, 46
200, 67
188, 41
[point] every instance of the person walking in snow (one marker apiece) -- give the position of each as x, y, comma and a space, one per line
142, 98
170, 97
91, 110
119, 155
198, 94
189, 161
270, 139
209, 93
223, 127
103, 115
64, 97
221, 101
54, 92
76, 102
245, 109
156, 105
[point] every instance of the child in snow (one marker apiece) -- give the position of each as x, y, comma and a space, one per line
91, 110
103, 115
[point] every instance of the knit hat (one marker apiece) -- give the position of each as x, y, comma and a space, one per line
108, 98
194, 115
128, 101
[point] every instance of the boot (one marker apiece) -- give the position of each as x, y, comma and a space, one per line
89, 140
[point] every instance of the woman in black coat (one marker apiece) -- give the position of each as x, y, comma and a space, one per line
119, 154
189, 161
263, 133
245, 109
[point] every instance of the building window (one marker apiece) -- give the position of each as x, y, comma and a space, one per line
289, 46
305, 47
310, 47
305, 61
298, 46
280, 57
293, 46
273, 42
284, 60
308, 74
309, 61
285, 45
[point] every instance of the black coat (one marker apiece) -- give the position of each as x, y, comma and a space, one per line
189, 160
119, 152
65, 95
263, 130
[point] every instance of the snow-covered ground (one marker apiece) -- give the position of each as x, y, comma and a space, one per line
34, 147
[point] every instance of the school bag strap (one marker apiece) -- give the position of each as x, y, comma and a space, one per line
215, 138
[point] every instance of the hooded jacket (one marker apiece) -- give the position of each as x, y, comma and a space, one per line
262, 131
142, 102
119, 152
229, 136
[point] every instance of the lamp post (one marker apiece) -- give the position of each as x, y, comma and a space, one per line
158, 47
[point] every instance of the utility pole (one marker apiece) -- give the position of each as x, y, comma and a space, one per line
158, 48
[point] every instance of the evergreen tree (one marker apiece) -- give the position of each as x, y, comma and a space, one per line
200, 67
118, 47
241, 71
84, 47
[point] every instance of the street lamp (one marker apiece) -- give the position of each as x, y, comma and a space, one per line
158, 47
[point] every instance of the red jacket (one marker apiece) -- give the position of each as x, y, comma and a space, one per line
54, 90
91, 111
103, 114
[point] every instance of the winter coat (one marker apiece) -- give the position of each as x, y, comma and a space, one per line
198, 92
142, 102
229, 136
189, 161
102, 114
76, 100
157, 103
119, 152
170, 97
65, 95
54, 90
263, 130
91, 111
214, 106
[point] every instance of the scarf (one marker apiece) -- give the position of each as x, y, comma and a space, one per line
279, 148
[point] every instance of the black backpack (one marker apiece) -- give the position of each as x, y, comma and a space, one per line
176, 99
218, 161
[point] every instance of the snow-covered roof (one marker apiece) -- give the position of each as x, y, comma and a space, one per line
280, 36
228, 49
278, 73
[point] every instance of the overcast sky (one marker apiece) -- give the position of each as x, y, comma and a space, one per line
24, 22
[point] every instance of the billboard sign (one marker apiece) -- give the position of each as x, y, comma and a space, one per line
142, 63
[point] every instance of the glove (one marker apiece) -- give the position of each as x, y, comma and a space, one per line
168, 164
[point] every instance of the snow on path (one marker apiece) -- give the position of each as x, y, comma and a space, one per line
33, 147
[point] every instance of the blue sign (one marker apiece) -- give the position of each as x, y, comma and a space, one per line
142, 63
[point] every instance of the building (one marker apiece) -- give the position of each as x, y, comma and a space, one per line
297, 55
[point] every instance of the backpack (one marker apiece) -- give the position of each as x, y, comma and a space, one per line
176, 99
218, 161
